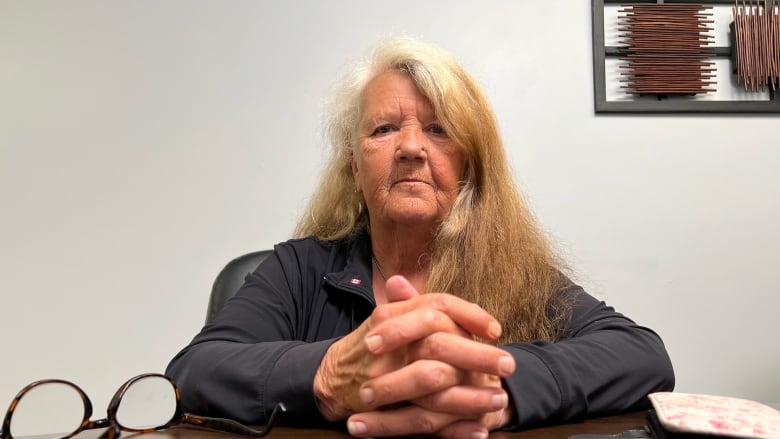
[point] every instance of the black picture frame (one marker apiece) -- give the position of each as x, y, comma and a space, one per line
602, 52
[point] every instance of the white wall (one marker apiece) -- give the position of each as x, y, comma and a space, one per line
145, 143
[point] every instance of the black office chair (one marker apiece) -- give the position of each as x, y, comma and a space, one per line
230, 279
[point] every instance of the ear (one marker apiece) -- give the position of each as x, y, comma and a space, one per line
355, 173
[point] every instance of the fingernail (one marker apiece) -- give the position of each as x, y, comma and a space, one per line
367, 395
478, 435
356, 427
494, 329
506, 365
374, 343
499, 401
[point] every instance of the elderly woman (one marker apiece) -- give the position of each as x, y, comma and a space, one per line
419, 295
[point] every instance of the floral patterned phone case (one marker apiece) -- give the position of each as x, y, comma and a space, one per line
689, 415
698, 416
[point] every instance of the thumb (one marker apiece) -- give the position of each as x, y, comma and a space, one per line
398, 289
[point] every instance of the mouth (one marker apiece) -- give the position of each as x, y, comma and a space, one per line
409, 180
410, 177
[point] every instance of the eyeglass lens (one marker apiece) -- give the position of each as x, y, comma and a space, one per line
56, 409
50, 409
149, 402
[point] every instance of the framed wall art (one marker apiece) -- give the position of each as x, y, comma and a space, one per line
678, 56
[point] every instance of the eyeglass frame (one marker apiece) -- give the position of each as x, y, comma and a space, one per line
115, 428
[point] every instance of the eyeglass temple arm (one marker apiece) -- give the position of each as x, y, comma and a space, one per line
231, 426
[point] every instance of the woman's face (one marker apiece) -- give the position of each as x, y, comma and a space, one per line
405, 164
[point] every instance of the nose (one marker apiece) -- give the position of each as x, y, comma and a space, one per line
411, 145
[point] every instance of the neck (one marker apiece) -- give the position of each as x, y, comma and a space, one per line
402, 252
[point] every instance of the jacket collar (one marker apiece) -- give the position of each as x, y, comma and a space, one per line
357, 275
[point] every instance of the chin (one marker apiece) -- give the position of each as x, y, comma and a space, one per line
415, 216
412, 211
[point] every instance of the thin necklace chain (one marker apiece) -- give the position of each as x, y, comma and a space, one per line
378, 267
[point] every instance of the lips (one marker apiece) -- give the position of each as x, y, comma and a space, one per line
410, 180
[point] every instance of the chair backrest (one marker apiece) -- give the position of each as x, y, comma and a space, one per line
230, 279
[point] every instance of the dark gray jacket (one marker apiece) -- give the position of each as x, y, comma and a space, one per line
266, 345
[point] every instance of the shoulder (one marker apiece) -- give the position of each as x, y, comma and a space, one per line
307, 248
310, 253
575, 296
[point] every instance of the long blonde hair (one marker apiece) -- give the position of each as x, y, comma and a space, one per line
489, 250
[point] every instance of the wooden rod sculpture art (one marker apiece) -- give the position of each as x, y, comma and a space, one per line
666, 49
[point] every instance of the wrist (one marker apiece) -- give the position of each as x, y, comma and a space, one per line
324, 394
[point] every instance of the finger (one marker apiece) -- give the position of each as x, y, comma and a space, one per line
470, 401
398, 288
345, 366
413, 381
463, 353
398, 422
407, 328
464, 430
468, 428
469, 316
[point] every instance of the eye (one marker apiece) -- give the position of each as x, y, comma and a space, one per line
382, 129
436, 129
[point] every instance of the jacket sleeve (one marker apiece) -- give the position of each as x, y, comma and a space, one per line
249, 358
604, 364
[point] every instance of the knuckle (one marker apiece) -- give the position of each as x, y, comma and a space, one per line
430, 318
372, 370
424, 424
439, 301
384, 391
436, 377
433, 346
381, 313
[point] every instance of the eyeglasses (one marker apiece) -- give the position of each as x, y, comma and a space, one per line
143, 404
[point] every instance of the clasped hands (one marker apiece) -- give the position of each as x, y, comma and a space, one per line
415, 367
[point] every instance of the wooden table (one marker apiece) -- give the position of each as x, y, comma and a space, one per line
606, 425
